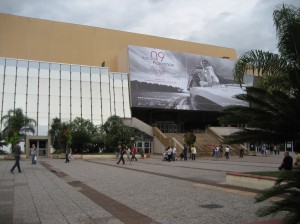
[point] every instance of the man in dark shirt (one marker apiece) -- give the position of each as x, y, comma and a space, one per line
17, 152
287, 163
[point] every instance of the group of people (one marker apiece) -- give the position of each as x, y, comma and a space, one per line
169, 154
130, 153
266, 149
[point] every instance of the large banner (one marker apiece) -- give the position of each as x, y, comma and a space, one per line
175, 80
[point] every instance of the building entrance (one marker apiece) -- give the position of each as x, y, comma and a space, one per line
146, 146
41, 146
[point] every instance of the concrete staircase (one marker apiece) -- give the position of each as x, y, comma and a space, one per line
205, 141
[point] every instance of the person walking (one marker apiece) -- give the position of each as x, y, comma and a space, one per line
185, 149
122, 152
227, 152
17, 153
133, 152
33, 154
68, 148
241, 152
194, 152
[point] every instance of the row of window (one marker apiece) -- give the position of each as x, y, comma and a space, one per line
48, 90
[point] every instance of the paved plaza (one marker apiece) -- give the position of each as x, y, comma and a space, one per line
147, 191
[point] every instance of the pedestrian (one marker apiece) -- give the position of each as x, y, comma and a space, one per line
194, 152
118, 151
185, 149
17, 153
217, 152
227, 152
129, 154
287, 163
221, 151
133, 152
67, 154
241, 152
174, 153
169, 153
122, 152
33, 154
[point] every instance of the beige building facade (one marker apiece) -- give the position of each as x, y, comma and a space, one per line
53, 69
43, 40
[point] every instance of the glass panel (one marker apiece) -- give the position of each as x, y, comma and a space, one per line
22, 68
76, 109
11, 65
86, 89
1, 90
127, 110
75, 88
21, 101
44, 70
119, 109
105, 118
106, 107
75, 72
65, 107
43, 106
21, 85
2, 63
54, 106
54, 71
117, 80
33, 69
97, 122
8, 102
85, 73
65, 88
9, 86
43, 129
54, 87
96, 109
95, 77
44, 87
32, 104
118, 94
96, 90
32, 86
86, 108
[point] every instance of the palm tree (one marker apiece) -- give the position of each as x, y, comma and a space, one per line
16, 124
274, 107
274, 102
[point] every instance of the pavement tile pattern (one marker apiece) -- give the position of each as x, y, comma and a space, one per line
147, 191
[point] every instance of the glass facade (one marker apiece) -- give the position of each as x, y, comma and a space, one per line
48, 90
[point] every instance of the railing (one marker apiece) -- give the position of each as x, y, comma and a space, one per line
167, 141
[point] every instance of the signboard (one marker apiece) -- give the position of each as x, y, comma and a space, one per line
175, 80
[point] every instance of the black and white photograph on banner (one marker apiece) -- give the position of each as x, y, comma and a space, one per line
174, 80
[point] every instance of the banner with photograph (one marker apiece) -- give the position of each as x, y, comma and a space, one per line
175, 80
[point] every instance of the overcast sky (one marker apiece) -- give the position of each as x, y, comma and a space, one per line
240, 24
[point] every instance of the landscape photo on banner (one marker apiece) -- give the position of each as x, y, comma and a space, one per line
175, 80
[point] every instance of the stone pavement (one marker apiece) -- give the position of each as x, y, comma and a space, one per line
147, 191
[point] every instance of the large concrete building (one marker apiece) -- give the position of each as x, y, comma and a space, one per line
53, 69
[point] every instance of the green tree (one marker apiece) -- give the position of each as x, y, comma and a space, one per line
116, 133
82, 131
16, 123
274, 106
189, 139
60, 133
273, 109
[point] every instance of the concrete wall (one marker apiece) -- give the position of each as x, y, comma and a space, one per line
43, 40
